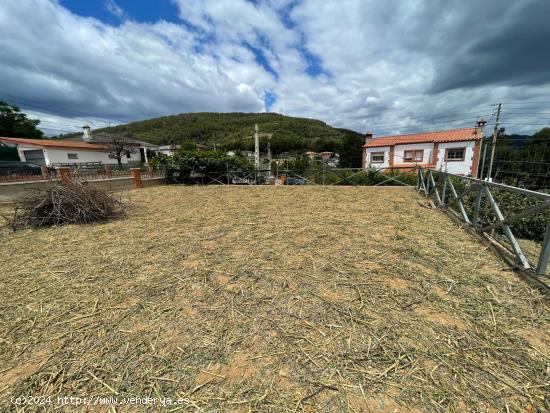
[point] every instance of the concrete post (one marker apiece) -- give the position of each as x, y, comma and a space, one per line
45, 172
136, 173
64, 174
108, 171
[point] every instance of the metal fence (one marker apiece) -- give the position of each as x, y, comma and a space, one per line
312, 176
78, 174
516, 218
518, 162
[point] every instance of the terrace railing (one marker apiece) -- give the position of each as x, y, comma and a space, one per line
497, 211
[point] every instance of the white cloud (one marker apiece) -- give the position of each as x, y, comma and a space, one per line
113, 8
376, 63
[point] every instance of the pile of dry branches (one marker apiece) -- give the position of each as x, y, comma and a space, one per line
59, 204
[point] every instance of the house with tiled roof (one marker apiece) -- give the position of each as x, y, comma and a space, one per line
53, 152
456, 151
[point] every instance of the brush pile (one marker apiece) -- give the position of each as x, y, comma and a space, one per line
60, 204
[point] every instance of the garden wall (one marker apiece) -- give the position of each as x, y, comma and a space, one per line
10, 191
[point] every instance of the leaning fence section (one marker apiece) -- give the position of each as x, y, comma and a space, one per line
517, 219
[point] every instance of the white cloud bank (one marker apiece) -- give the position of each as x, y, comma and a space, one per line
385, 66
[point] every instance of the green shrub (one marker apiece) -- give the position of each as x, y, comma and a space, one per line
192, 167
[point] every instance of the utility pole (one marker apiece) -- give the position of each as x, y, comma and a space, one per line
269, 153
256, 147
480, 129
495, 134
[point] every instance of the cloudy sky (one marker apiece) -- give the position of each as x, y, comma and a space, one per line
392, 66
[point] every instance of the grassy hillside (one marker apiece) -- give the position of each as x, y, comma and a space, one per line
236, 130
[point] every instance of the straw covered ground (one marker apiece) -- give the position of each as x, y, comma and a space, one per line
303, 299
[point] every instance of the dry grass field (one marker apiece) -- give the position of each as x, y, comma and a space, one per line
247, 299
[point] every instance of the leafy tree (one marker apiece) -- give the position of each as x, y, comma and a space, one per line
14, 123
351, 150
118, 146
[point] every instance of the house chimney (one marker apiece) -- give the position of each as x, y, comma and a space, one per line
480, 127
368, 137
86, 133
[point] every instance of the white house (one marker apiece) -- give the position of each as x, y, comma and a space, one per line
456, 151
168, 150
52, 152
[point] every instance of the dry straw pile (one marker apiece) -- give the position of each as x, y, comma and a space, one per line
295, 299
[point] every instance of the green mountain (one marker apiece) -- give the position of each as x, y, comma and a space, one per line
236, 131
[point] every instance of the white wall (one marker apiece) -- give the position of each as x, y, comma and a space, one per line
385, 164
399, 153
57, 155
167, 152
54, 156
456, 167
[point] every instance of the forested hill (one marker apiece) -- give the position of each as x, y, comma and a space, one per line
236, 131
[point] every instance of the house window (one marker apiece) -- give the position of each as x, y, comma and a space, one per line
455, 154
414, 155
72, 155
377, 157
128, 155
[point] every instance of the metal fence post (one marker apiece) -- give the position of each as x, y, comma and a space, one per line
477, 206
506, 229
427, 177
435, 188
458, 200
545, 250
444, 191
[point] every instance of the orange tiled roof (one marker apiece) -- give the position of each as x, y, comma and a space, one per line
455, 135
53, 143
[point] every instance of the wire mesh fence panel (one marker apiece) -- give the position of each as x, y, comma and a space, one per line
284, 176
519, 161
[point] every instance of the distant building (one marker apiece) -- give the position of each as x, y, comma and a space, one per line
52, 152
138, 148
456, 151
168, 150
330, 158
311, 155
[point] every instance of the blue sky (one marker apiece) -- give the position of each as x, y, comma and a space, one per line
393, 66
139, 10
